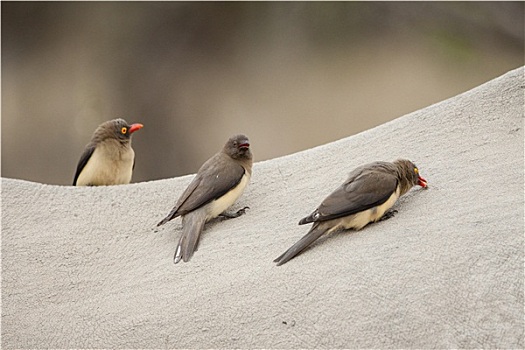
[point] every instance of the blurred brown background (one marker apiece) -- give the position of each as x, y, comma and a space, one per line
289, 75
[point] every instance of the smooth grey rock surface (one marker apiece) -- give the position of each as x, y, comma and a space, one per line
87, 268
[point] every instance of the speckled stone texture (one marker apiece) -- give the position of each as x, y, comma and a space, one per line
87, 267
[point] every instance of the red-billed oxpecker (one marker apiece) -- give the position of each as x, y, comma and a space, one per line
108, 158
368, 193
219, 182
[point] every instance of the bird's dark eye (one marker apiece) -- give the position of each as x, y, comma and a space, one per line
124, 130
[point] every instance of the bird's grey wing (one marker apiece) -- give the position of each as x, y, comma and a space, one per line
215, 178
362, 192
84, 158
175, 212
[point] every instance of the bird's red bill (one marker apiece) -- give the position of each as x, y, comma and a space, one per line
244, 145
422, 182
135, 127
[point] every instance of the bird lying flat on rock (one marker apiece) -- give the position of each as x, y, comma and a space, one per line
369, 191
108, 158
219, 182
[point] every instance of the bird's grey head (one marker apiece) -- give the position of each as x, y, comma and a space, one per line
238, 147
117, 129
408, 174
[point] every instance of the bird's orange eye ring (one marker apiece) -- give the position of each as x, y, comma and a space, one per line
124, 130
416, 171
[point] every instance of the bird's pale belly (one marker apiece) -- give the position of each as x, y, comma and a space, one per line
101, 170
361, 219
220, 205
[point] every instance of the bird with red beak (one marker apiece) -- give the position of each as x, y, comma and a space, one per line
219, 182
366, 196
108, 158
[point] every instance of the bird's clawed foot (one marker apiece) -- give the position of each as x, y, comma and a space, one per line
389, 214
234, 215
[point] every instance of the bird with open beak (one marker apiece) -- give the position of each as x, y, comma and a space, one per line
108, 158
219, 182
369, 191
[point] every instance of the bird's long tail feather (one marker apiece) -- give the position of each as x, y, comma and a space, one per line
315, 232
192, 226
